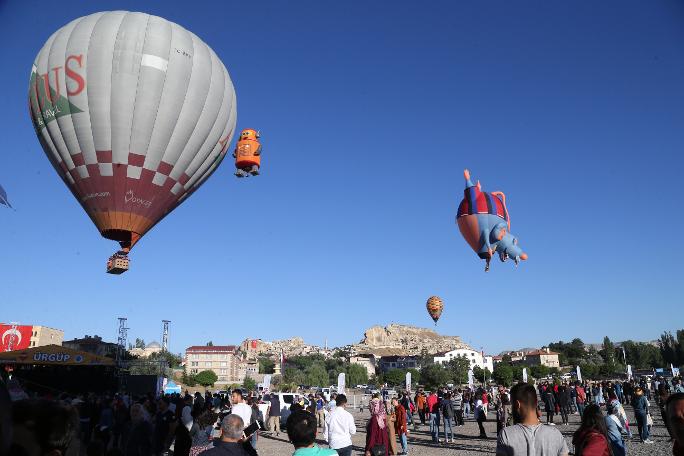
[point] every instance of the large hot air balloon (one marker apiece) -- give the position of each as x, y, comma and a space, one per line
3, 198
484, 223
135, 113
434, 306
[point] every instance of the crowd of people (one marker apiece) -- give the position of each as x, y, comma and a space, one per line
229, 424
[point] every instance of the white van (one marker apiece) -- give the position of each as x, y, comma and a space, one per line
286, 400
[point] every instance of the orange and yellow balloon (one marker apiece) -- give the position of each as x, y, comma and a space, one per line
434, 306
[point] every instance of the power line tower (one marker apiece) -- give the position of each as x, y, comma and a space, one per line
165, 335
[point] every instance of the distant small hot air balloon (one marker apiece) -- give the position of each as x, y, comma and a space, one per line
484, 223
434, 306
135, 113
3, 197
247, 153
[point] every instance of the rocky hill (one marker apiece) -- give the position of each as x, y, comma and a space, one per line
405, 340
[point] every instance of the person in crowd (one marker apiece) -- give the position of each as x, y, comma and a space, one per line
447, 410
628, 391
256, 415
614, 402
421, 405
230, 444
467, 407
549, 404
661, 397
500, 417
164, 426
591, 438
376, 435
407, 403
674, 407
640, 404
273, 413
619, 392
320, 410
527, 431
391, 433
678, 386
202, 431
240, 408
301, 430
433, 407
581, 398
457, 405
615, 429
43, 427
565, 402
400, 424
480, 417
137, 437
340, 427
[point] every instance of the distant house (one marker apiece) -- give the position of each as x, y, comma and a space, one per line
367, 361
92, 344
475, 358
543, 357
398, 362
152, 347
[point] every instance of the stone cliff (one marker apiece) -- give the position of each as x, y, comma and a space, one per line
406, 340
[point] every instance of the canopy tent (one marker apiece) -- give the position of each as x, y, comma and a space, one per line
53, 355
172, 388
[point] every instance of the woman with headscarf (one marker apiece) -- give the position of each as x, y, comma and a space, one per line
377, 442
591, 438
620, 413
391, 435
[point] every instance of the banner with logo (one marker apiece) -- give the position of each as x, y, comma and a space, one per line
579, 374
524, 375
408, 381
629, 372
471, 383
54, 355
15, 337
341, 380
267, 383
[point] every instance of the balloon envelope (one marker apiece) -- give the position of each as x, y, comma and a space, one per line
434, 306
3, 197
134, 112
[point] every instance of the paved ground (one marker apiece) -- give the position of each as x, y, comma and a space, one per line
467, 441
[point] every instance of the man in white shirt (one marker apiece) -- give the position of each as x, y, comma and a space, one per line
339, 427
240, 408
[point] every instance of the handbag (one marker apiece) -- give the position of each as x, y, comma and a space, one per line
378, 450
649, 420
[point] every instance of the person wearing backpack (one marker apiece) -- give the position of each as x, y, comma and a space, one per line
447, 409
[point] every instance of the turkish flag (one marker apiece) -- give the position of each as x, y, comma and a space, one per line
18, 337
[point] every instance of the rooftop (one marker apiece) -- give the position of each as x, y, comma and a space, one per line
540, 352
211, 349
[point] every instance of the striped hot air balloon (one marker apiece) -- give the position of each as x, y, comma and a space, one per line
434, 306
134, 112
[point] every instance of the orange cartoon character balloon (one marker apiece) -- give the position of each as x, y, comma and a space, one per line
247, 154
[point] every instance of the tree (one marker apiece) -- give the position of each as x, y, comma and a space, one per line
481, 375
139, 343
210, 344
206, 378
539, 371
503, 374
608, 351
357, 374
458, 368
506, 359
434, 376
395, 377
249, 383
294, 376
188, 380
266, 365
316, 375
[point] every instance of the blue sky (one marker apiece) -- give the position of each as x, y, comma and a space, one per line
369, 113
